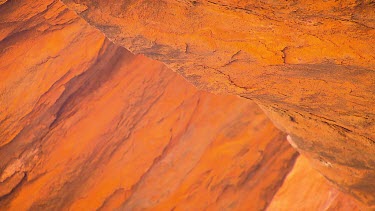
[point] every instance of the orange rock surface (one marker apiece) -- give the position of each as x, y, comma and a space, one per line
312, 192
86, 125
308, 64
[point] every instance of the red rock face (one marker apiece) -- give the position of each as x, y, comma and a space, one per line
313, 192
308, 64
85, 124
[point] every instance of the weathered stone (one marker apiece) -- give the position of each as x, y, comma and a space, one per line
308, 64
85, 125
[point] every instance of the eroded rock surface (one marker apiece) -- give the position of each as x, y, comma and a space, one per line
308, 64
314, 193
86, 125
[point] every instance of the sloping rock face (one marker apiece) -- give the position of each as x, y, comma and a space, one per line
86, 125
308, 64
82, 129
312, 193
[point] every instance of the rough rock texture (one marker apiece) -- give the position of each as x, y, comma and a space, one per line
312, 193
308, 64
86, 125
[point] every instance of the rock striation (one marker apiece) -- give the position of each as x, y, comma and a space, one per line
87, 125
308, 64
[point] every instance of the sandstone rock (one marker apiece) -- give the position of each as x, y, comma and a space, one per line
308, 64
313, 194
85, 125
